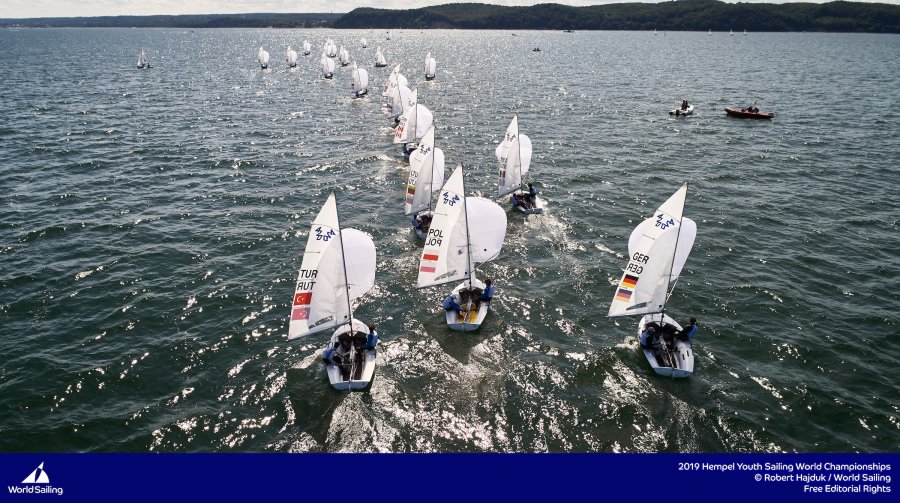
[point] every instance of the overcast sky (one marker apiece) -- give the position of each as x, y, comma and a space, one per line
72, 8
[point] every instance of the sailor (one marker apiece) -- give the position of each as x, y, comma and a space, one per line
684, 104
326, 355
451, 305
371, 340
532, 195
488, 292
688, 332
647, 337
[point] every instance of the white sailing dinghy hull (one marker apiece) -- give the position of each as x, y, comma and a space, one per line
537, 209
368, 363
471, 320
678, 112
683, 354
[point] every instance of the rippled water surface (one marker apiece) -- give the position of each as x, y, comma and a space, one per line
153, 222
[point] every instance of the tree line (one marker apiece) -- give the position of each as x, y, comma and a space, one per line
689, 15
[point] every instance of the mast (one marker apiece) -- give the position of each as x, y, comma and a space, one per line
468, 243
519, 143
672, 265
431, 189
344, 264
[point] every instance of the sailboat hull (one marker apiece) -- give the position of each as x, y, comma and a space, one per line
469, 320
678, 112
359, 380
682, 356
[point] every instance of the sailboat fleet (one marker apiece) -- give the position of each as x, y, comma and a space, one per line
458, 232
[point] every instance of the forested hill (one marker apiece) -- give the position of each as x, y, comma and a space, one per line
690, 15
261, 20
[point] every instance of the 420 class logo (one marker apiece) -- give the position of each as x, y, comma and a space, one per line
664, 224
450, 201
320, 236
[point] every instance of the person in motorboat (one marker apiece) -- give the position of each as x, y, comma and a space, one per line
684, 105
450, 304
689, 331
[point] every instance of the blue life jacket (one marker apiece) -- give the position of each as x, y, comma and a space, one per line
448, 302
488, 293
692, 332
372, 340
532, 191
645, 335
327, 354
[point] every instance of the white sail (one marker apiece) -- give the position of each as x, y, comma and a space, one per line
430, 66
399, 101
307, 48
262, 57
323, 292
364, 42
290, 57
327, 65
142, 59
330, 49
407, 126
344, 56
645, 282
514, 157
359, 81
457, 242
391, 82
426, 174
379, 58
686, 238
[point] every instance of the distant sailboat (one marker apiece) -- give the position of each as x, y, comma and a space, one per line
465, 231
426, 176
327, 67
710, 31
338, 267
745, 31
394, 79
263, 58
514, 157
344, 56
307, 48
330, 49
430, 67
365, 43
359, 81
731, 32
290, 57
414, 123
379, 58
659, 247
142, 63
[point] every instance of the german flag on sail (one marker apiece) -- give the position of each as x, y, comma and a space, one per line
623, 295
431, 257
410, 189
629, 281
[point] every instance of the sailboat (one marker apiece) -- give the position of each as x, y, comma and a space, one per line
731, 32
430, 67
398, 102
659, 246
426, 175
514, 156
379, 58
338, 267
307, 48
414, 123
327, 66
359, 81
465, 231
344, 56
263, 58
394, 79
290, 57
745, 31
364, 42
710, 31
330, 49
142, 63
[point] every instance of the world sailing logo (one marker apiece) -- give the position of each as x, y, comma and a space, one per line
38, 483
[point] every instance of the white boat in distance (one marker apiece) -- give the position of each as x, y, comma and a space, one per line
430, 67
659, 247
364, 42
263, 58
307, 48
465, 231
290, 57
359, 81
338, 267
327, 66
426, 176
344, 56
380, 62
330, 49
514, 158
142, 62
